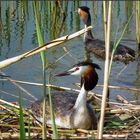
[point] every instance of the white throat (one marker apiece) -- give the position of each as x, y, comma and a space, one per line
82, 98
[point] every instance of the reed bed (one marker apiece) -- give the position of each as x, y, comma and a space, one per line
121, 121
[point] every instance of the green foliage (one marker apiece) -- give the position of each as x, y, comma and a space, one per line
21, 120
116, 122
113, 124
29, 127
39, 33
43, 58
55, 133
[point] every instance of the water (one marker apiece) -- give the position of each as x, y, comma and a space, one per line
18, 35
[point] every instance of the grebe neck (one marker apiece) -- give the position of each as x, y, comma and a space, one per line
88, 34
81, 99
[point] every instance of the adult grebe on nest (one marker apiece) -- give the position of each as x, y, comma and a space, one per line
96, 46
72, 110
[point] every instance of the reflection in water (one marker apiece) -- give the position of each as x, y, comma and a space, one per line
58, 18
7, 25
118, 8
128, 12
0, 27
22, 22
137, 81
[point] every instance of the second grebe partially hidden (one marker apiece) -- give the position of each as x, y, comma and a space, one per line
97, 46
72, 110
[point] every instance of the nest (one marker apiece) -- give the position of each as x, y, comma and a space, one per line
122, 120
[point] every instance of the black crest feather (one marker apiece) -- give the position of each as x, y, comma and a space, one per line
85, 63
84, 8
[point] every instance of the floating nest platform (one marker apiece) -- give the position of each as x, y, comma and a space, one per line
122, 121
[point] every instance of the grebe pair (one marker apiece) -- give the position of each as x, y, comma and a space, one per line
71, 110
97, 47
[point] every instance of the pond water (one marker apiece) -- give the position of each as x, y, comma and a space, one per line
18, 35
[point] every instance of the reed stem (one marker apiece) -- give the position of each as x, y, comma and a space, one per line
55, 133
105, 20
106, 73
44, 63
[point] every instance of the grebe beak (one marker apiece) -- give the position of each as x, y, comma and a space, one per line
64, 73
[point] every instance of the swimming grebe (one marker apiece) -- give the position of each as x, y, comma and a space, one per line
96, 46
71, 110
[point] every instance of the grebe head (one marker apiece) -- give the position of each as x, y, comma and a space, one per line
86, 70
84, 14
84, 8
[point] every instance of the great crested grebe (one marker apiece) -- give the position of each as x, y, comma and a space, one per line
71, 110
96, 46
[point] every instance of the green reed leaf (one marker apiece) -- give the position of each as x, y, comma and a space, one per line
21, 120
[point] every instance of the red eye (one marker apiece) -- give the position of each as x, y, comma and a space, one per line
77, 69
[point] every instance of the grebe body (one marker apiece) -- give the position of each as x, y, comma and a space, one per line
96, 46
72, 110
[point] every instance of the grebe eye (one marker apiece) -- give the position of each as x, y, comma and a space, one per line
77, 68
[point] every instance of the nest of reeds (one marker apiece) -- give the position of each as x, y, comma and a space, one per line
122, 120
